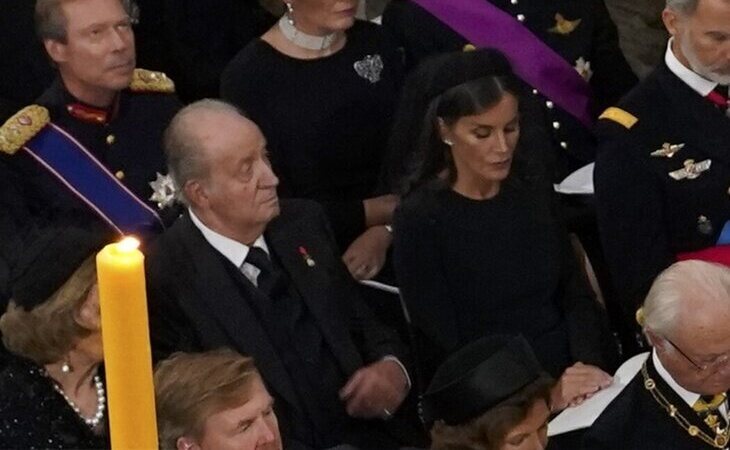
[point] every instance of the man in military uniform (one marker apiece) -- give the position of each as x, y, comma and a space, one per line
102, 114
662, 175
678, 398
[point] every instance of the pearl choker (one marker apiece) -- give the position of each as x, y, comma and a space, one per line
93, 421
302, 39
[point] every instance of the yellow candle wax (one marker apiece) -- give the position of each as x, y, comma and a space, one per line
127, 352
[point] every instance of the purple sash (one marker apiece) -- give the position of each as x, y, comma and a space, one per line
485, 25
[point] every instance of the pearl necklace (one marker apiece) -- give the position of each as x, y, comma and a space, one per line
93, 421
302, 39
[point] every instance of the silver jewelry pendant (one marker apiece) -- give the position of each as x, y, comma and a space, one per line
369, 68
66, 367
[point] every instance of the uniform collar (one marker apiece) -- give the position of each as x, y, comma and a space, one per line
688, 397
698, 83
233, 250
88, 113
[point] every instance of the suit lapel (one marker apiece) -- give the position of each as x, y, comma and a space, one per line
287, 239
221, 296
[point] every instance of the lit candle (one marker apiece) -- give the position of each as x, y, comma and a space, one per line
127, 352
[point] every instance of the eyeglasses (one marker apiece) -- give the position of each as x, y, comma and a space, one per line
716, 362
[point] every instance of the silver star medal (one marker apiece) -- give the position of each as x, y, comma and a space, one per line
583, 67
369, 68
163, 191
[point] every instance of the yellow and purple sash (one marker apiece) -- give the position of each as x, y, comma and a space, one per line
82, 174
485, 25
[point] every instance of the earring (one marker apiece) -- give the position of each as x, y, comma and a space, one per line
66, 367
448, 142
289, 13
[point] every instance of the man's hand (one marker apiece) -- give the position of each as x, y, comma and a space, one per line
578, 383
375, 391
366, 255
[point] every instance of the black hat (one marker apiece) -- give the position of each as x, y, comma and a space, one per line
49, 261
478, 377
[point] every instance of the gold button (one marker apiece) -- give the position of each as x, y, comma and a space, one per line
110, 139
119, 175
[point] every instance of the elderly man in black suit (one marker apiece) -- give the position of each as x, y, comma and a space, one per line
678, 400
242, 269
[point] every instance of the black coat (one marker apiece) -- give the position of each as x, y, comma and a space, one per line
32, 198
195, 305
595, 40
505, 265
635, 421
645, 216
34, 415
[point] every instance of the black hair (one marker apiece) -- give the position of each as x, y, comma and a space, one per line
449, 86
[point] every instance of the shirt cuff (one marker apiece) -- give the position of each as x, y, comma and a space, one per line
402, 367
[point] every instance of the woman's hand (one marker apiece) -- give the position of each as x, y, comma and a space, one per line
578, 383
366, 255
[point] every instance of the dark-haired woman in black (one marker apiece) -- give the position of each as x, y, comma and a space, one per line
479, 247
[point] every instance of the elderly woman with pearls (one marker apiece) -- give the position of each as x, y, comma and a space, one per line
52, 389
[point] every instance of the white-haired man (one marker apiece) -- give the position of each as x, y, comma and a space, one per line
678, 399
244, 270
663, 167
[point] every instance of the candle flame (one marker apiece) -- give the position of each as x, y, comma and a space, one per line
128, 244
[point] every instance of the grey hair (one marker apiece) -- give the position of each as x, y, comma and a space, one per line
50, 23
182, 145
708, 281
683, 6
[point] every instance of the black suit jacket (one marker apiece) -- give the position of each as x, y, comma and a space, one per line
196, 306
635, 421
645, 216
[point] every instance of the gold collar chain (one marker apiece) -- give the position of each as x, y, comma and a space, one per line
719, 441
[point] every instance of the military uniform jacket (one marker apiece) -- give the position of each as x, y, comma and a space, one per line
646, 216
587, 34
126, 140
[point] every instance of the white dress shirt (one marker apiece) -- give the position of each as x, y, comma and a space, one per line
697, 82
233, 251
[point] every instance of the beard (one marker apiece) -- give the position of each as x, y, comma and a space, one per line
716, 73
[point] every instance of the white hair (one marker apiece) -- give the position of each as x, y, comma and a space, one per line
182, 145
701, 280
683, 6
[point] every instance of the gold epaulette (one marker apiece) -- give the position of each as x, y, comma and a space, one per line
619, 116
151, 81
22, 127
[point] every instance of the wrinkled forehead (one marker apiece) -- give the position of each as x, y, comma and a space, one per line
705, 327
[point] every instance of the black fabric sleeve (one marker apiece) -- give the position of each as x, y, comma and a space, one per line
418, 265
612, 75
589, 334
631, 219
372, 338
